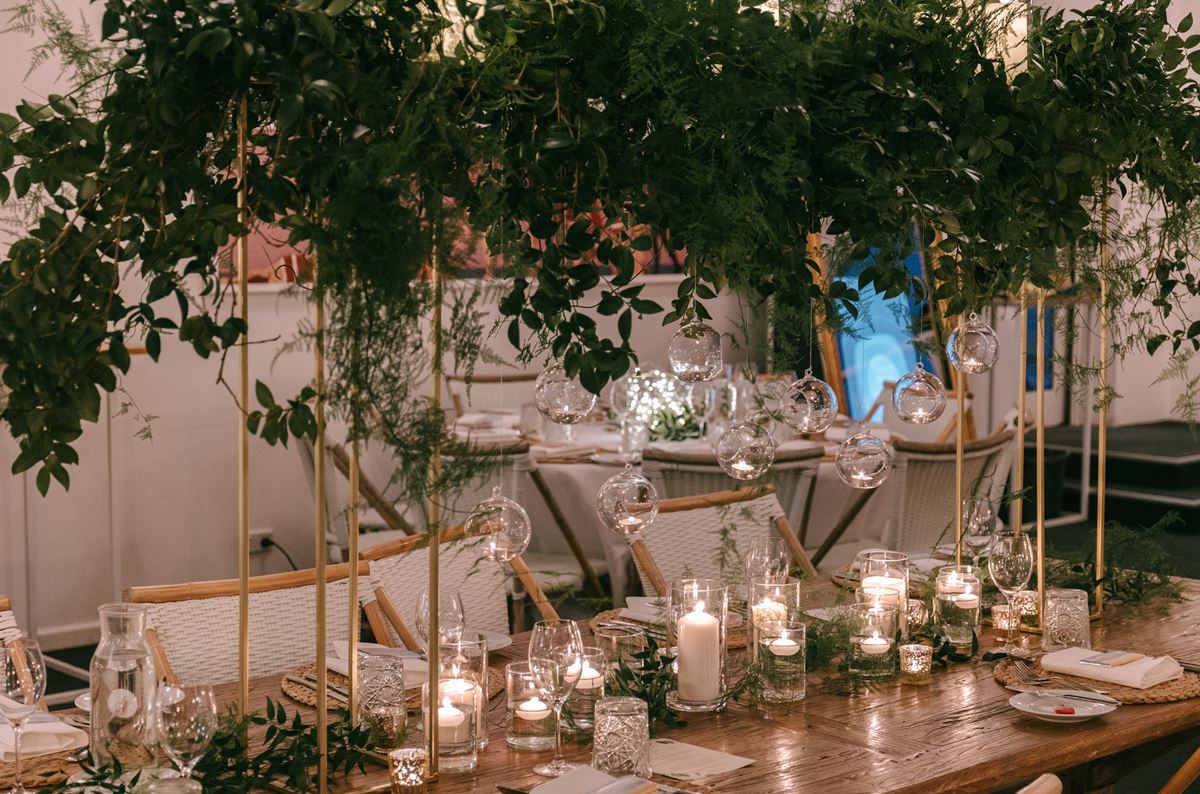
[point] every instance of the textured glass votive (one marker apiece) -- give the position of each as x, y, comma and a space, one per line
781, 656
455, 726
581, 703
872, 652
408, 770
621, 740
386, 726
1067, 623
916, 663
957, 603
463, 670
1005, 618
529, 720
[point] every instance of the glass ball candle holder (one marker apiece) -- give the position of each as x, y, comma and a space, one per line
529, 720
884, 568
916, 663
780, 647
919, 397
864, 461
958, 602
456, 728
809, 405
463, 674
872, 652
502, 525
627, 502
697, 616
746, 450
973, 346
588, 689
621, 741
408, 770
561, 398
694, 353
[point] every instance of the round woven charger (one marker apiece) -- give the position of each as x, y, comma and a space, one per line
1182, 688
307, 696
734, 638
39, 771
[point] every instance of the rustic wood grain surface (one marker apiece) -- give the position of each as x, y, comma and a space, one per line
956, 734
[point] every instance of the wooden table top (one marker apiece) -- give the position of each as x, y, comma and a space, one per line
956, 734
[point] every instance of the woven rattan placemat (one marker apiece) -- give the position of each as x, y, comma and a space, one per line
734, 638
308, 696
1188, 686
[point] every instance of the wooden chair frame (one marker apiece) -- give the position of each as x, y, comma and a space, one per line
222, 588
382, 612
22, 669
370, 494
459, 408
638, 546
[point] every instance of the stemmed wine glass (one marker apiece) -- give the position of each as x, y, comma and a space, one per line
1010, 563
187, 720
556, 662
451, 616
979, 521
767, 560
22, 684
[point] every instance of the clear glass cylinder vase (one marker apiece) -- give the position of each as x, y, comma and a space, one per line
697, 615
123, 679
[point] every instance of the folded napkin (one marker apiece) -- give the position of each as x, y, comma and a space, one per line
1142, 674
40, 736
497, 435
1046, 784
561, 450
341, 650
479, 421
585, 780
644, 609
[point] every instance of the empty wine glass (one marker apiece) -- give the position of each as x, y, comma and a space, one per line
979, 521
555, 663
1010, 564
22, 684
766, 561
187, 720
451, 616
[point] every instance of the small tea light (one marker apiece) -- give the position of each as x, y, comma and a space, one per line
967, 600
533, 709
453, 725
916, 662
1005, 618
408, 770
784, 647
874, 646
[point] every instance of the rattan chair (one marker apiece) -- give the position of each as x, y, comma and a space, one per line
193, 628
9, 630
923, 494
400, 571
689, 535
1181, 781
680, 474
495, 391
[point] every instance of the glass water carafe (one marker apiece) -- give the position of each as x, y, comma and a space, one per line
123, 685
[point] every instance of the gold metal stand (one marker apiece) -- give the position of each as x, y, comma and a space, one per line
960, 439
320, 543
1018, 467
1040, 479
242, 256
352, 529
435, 466
1102, 440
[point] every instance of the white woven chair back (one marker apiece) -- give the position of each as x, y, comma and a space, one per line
708, 542
923, 510
200, 636
481, 584
9, 630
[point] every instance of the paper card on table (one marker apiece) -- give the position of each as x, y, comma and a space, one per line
689, 762
580, 780
1142, 674
40, 737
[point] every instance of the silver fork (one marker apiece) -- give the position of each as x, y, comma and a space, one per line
1026, 675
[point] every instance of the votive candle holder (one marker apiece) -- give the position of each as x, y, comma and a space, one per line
529, 720
916, 663
771, 601
872, 652
463, 674
408, 770
619, 644
455, 724
958, 603
581, 703
621, 741
697, 616
781, 652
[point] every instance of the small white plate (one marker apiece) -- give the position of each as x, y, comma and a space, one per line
495, 640
1042, 706
609, 458
84, 702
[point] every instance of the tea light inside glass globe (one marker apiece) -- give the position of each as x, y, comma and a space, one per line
973, 346
919, 397
503, 525
561, 398
627, 502
746, 450
864, 461
809, 405
694, 353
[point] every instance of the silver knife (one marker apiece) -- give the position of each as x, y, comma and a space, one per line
312, 685
1088, 696
1192, 667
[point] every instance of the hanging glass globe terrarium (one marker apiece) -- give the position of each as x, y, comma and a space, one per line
973, 347
502, 525
746, 450
627, 502
809, 405
919, 396
560, 398
694, 353
864, 461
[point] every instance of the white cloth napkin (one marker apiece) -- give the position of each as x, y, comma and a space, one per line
644, 609
561, 450
1046, 784
689, 762
415, 667
586, 780
1142, 674
40, 736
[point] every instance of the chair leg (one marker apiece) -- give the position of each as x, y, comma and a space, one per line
843, 524
1188, 774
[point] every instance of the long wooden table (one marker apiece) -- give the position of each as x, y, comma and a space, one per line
956, 734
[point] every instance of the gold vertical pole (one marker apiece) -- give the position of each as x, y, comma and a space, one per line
352, 527
242, 255
320, 545
1102, 445
960, 438
1040, 408
1018, 467
435, 466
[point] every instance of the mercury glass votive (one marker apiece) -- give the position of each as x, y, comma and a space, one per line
916, 663
408, 770
386, 726
529, 720
621, 740
781, 652
1025, 602
581, 703
872, 652
1005, 619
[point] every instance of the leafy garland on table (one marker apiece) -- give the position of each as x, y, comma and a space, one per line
288, 755
721, 129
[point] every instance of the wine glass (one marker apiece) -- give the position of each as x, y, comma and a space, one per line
451, 616
978, 521
22, 684
187, 720
556, 662
1010, 564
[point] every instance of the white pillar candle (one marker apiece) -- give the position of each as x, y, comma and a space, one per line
874, 646
699, 655
533, 709
784, 647
882, 596
880, 582
453, 727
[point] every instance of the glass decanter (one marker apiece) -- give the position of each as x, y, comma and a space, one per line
123, 681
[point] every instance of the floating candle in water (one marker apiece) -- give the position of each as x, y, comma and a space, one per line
533, 709
453, 727
966, 600
874, 646
784, 647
